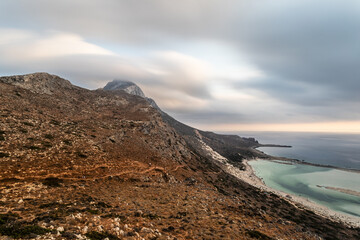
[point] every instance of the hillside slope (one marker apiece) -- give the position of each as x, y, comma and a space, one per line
81, 164
233, 147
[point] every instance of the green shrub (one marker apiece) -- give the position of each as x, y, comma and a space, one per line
67, 142
2, 154
258, 235
100, 236
114, 215
32, 147
92, 211
151, 216
8, 217
48, 136
23, 130
9, 227
82, 155
47, 144
103, 205
17, 231
52, 205
52, 182
54, 122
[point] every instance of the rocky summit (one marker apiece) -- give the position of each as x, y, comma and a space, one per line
107, 164
126, 86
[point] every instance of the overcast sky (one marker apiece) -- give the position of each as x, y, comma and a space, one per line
216, 65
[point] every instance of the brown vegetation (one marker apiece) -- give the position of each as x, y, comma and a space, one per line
78, 164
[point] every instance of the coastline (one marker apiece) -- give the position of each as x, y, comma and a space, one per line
292, 160
250, 177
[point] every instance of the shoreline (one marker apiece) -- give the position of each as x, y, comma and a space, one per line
292, 160
250, 177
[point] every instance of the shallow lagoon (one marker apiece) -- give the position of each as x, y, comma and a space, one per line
304, 180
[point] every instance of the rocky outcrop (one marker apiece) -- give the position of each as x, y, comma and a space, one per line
126, 86
39, 82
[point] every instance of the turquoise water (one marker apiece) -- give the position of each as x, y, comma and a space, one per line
302, 180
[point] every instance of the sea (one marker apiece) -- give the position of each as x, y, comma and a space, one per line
319, 184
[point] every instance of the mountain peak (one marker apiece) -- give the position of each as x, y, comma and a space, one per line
39, 82
126, 86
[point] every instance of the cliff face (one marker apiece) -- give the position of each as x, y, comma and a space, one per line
77, 164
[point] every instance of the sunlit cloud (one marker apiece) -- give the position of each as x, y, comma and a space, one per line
24, 45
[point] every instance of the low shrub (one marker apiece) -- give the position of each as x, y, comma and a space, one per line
100, 236
258, 235
32, 147
48, 136
54, 122
67, 142
52, 182
17, 231
10, 227
28, 124
2, 154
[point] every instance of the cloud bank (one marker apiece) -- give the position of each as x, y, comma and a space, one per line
206, 62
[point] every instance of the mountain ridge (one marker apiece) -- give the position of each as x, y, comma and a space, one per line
233, 147
78, 163
39, 82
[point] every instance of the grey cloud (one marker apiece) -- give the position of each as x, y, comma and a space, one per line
308, 51
315, 43
295, 92
87, 71
94, 71
210, 117
121, 20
